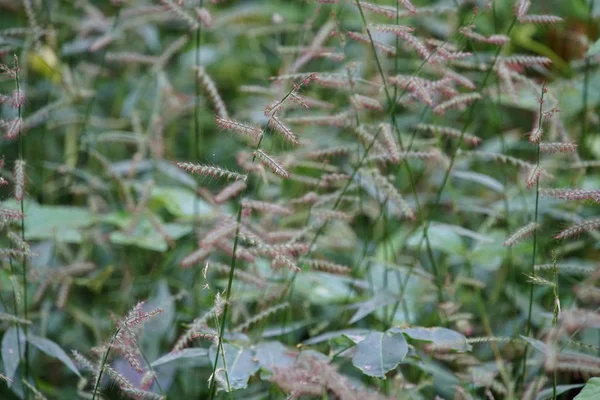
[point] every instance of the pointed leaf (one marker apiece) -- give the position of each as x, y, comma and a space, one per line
560, 389
441, 337
380, 353
180, 355
591, 390
12, 341
53, 350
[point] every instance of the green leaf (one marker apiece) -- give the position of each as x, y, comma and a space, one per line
146, 236
241, 365
594, 49
13, 350
380, 352
61, 223
274, 354
185, 354
53, 350
322, 288
591, 390
179, 202
560, 389
441, 237
442, 337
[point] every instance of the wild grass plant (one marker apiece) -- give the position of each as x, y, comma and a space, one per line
311, 199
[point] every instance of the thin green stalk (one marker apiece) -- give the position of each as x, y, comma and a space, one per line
197, 134
211, 384
24, 257
535, 237
586, 80
555, 322
103, 363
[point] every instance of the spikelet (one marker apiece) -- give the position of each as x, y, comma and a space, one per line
19, 175
533, 177
467, 31
12, 128
558, 147
525, 60
244, 129
366, 103
389, 191
414, 86
203, 16
415, 44
457, 101
260, 317
389, 143
199, 324
381, 10
506, 79
468, 138
584, 226
283, 130
181, 13
572, 194
389, 28
540, 19
211, 90
196, 257
271, 208
270, 163
330, 152
327, 266
521, 234
230, 191
219, 232
131, 58
521, 8
210, 170
361, 38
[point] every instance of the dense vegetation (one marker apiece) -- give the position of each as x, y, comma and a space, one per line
277, 199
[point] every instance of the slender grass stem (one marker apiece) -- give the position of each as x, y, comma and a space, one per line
535, 241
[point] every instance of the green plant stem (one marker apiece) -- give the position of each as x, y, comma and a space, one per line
211, 384
24, 257
586, 81
533, 255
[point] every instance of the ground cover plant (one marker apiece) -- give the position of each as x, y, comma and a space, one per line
330, 199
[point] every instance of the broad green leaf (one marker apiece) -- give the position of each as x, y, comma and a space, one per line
13, 350
441, 337
489, 256
560, 389
441, 238
185, 354
274, 354
61, 223
180, 202
379, 353
53, 350
241, 365
146, 236
591, 390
